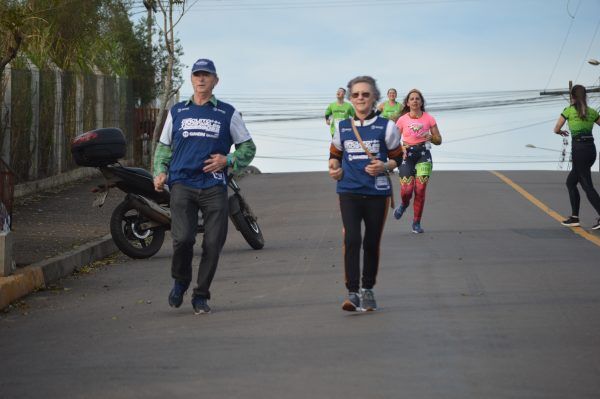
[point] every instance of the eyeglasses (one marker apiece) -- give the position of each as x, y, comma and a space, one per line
366, 94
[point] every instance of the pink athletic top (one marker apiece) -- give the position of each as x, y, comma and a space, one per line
414, 130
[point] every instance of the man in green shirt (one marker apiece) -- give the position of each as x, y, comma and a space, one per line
338, 110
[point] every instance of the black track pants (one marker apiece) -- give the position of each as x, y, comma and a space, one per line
356, 209
584, 156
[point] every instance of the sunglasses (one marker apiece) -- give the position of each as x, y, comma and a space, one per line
363, 95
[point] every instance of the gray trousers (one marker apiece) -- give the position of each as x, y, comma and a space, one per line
185, 204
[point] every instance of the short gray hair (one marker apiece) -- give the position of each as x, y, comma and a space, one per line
368, 80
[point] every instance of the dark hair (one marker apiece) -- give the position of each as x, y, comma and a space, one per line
579, 98
368, 80
390, 89
344, 90
406, 108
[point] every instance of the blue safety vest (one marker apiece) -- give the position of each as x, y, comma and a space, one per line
199, 131
355, 179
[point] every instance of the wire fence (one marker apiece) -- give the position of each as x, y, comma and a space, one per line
43, 110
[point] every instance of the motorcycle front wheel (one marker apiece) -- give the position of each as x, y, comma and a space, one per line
129, 235
245, 222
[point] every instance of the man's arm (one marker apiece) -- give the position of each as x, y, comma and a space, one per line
163, 152
244, 146
242, 156
162, 159
328, 113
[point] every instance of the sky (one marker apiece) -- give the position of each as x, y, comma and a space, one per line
315, 46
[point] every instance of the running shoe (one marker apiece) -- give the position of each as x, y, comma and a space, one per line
597, 225
571, 222
367, 300
177, 293
416, 228
352, 303
200, 305
399, 211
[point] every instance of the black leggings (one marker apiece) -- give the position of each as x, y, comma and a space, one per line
372, 209
584, 156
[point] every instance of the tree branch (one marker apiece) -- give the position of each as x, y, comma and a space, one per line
12, 50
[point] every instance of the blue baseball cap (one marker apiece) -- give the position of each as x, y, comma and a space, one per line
204, 64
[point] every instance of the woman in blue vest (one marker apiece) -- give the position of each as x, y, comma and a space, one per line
363, 150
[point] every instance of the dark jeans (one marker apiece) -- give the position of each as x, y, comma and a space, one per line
372, 209
584, 156
185, 204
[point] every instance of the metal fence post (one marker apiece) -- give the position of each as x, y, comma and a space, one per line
78, 103
99, 98
7, 184
34, 129
5, 116
59, 126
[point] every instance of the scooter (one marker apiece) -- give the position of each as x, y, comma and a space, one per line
138, 224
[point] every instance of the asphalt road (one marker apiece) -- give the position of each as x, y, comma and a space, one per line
495, 300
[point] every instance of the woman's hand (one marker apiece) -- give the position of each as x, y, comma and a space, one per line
558, 127
335, 170
404, 150
375, 168
436, 137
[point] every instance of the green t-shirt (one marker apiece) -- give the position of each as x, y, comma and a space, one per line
338, 112
577, 125
391, 111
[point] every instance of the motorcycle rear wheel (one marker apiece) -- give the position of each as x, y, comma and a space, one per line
245, 223
129, 237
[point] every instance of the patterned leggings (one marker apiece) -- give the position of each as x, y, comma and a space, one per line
415, 171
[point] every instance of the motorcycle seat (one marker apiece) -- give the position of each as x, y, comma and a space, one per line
140, 171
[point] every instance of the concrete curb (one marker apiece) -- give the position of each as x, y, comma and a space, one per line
40, 274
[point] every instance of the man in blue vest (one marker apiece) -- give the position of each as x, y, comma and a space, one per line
192, 156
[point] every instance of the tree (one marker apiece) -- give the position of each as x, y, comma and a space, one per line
14, 21
127, 52
172, 12
79, 36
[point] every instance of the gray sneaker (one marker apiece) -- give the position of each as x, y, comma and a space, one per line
367, 300
352, 303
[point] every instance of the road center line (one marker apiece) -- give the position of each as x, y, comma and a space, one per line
545, 208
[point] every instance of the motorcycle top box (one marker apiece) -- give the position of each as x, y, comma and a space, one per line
98, 147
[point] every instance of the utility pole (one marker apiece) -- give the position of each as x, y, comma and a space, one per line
150, 7
562, 91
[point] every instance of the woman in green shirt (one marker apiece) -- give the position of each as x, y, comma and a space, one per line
581, 119
391, 108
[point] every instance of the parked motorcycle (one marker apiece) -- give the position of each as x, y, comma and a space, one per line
139, 222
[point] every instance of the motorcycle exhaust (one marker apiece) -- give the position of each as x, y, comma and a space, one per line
150, 209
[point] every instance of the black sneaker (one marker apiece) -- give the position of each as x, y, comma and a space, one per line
571, 222
200, 305
597, 225
352, 303
177, 293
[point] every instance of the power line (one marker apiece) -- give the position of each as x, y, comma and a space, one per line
437, 162
492, 162
588, 50
499, 131
563, 43
318, 4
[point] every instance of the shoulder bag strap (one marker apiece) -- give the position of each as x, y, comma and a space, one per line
372, 157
